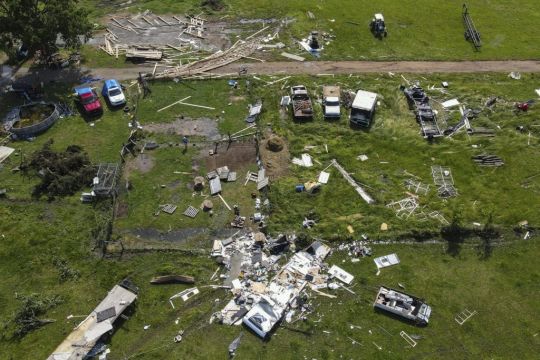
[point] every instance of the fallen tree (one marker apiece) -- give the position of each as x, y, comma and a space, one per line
62, 173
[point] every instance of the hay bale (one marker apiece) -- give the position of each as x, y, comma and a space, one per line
275, 144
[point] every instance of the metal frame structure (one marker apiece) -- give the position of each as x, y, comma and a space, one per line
471, 34
442, 177
405, 207
107, 179
425, 115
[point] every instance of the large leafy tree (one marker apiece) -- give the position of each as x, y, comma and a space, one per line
38, 23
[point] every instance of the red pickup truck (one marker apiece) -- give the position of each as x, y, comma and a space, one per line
89, 101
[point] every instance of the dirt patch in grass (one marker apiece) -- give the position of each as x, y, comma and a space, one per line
236, 98
186, 126
237, 156
275, 161
121, 209
142, 163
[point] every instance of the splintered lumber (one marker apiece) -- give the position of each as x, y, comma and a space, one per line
353, 183
174, 47
214, 61
143, 53
174, 103
148, 21
292, 56
256, 33
172, 279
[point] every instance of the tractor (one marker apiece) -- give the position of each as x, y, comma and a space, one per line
377, 26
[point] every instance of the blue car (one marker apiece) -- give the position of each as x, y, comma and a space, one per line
113, 91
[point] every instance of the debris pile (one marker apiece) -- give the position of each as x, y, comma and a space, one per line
260, 300
426, 116
488, 160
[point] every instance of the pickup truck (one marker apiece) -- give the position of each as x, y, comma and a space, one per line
331, 102
113, 92
301, 103
89, 101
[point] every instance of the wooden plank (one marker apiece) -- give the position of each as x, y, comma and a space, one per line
199, 106
174, 103
292, 56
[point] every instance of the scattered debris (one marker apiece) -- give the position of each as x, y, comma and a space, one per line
5, 152
450, 103
488, 160
85, 335
405, 207
515, 75
304, 161
185, 295
234, 345
465, 315
292, 57
172, 279
168, 208
407, 338
362, 157
353, 183
341, 274
385, 261
254, 111
416, 186
442, 177
323, 177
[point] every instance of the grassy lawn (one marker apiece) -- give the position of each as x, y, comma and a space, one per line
418, 30
502, 287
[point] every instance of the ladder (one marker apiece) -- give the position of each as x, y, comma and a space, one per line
465, 315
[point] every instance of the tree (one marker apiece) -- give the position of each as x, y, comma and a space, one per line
38, 23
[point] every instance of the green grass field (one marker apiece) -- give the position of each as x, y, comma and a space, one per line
418, 30
502, 286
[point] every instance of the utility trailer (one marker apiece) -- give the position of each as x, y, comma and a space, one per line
301, 103
426, 116
404, 305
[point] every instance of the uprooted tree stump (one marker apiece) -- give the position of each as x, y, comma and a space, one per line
275, 143
198, 183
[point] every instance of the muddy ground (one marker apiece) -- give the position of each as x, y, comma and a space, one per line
186, 126
143, 163
237, 156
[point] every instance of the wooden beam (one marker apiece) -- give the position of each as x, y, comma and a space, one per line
174, 103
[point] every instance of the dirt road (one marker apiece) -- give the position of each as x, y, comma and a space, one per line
309, 67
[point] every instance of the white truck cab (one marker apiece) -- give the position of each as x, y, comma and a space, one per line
363, 108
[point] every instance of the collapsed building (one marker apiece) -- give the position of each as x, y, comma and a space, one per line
259, 302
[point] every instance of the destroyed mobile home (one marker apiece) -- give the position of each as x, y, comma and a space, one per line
86, 335
404, 305
259, 302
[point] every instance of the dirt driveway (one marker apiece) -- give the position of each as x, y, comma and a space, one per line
308, 67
